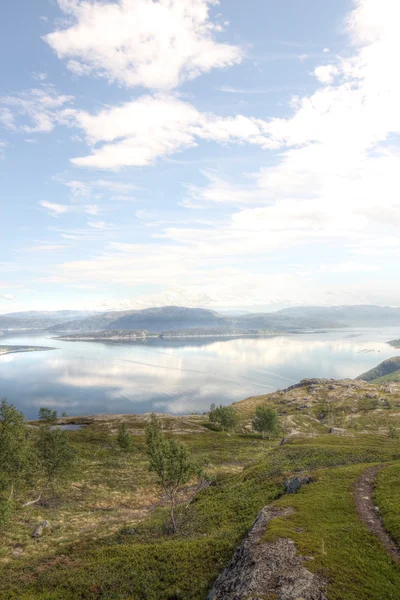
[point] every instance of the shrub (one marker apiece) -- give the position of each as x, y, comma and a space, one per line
47, 415
124, 439
266, 421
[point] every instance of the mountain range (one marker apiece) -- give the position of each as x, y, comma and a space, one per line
38, 319
172, 318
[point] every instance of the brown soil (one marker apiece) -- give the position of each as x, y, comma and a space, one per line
369, 514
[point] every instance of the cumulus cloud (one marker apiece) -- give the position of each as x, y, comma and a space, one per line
326, 73
338, 165
43, 106
139, 132
157, 45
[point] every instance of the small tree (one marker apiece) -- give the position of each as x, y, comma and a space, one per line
229, 418
47, 415
124, 439
224, 416
171, 462
15, 459
56, 455
266, 421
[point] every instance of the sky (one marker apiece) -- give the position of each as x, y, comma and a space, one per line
229, 155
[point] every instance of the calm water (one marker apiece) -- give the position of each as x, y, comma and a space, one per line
179, 377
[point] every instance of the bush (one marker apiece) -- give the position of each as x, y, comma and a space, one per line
266, 421
124, 439
56, 455
47, 415
224, 416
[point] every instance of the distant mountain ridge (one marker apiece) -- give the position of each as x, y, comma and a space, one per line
363, 315
37, 319
173, 318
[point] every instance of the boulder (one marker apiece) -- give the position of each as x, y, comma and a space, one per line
337, 431
292, 486
260, 569
38, 532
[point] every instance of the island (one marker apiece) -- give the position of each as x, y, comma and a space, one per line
123, 335
13, 349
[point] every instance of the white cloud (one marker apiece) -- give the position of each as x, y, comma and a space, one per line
42, 106
91, 209
97, 224
337, 172
139, 132
326, 73
54, 208
8, 297
141, 42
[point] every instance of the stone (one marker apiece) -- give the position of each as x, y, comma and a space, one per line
38, 532
260, 569
292, 486
337, 431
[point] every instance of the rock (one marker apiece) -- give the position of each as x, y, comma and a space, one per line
293, 485
38, 532
261, 569
337, 431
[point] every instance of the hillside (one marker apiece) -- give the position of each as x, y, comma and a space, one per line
386, 371
172, 318
108, 537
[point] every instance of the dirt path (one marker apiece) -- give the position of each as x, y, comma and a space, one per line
369, 515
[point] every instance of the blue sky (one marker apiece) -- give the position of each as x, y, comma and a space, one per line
199, 153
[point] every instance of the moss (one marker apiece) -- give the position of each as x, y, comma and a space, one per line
326, 527
109, 540
387, 498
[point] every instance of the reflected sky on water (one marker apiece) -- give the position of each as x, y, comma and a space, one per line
179, 376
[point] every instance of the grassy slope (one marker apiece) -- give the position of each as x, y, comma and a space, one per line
387, 497
108, 538
384, 370
143, 562
392, 377
326, 527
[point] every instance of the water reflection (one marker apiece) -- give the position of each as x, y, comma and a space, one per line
178, 376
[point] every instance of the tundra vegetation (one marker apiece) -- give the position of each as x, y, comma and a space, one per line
111, 534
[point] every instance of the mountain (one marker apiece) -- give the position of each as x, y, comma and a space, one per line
40, 319
154, 320
355, 316
172, 318
385, 372
282, 322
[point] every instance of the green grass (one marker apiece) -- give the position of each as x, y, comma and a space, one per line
326, 526
387, 498
109, 538
141, 560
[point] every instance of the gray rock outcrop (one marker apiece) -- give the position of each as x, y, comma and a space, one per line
267, 569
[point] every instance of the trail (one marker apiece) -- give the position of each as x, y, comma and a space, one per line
366, 509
